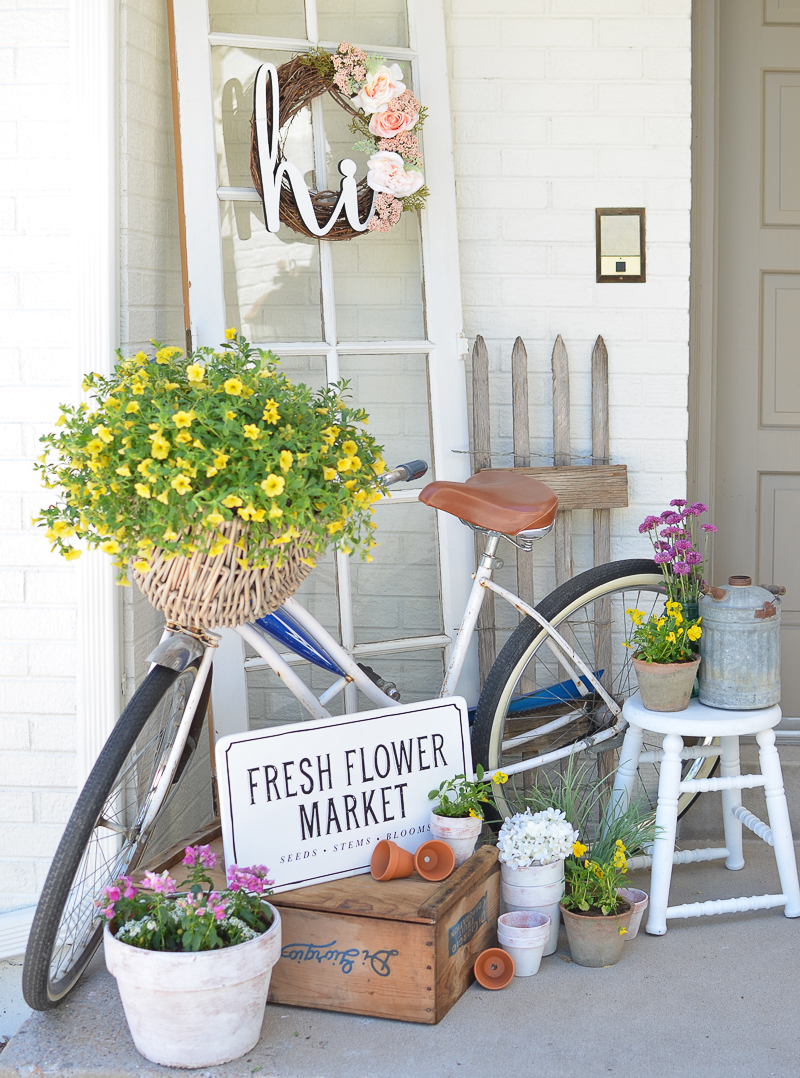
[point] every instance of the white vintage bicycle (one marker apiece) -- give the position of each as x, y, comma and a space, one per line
556, 688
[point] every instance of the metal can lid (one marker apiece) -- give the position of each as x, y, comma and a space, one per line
740, 581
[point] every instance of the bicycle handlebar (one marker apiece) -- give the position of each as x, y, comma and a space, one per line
405, 473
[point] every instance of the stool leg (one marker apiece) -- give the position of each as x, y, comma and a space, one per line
626, 772
666, 826
778, 812
731, 799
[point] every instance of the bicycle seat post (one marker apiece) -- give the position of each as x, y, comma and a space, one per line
487, 559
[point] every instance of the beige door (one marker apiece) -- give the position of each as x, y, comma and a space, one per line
757, 452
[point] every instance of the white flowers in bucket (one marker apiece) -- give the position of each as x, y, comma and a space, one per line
535, 838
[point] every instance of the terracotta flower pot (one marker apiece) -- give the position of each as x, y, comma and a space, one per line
666, 686
595, 939
195, 1009
390, 861
434, 860
494, 968
459, 832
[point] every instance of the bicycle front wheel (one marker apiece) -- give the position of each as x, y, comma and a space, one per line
530, 706
104, 837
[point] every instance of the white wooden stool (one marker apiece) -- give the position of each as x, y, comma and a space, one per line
701, 721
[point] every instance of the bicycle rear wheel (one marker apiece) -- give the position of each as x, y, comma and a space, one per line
529, 706
104, 837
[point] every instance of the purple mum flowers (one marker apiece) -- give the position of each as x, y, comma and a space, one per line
682, 562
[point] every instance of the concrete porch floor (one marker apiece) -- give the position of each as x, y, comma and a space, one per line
715, 997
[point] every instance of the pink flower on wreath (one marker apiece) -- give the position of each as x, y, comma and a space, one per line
387, 173
380, 87
406, 145
391, 122
386, 215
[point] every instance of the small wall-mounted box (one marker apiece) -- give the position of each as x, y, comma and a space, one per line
620, 245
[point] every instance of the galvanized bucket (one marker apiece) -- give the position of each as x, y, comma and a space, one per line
740, 646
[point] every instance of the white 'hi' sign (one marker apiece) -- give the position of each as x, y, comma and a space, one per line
312, 799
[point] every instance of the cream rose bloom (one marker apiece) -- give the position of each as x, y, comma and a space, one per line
381, 87
386, 173
388, 124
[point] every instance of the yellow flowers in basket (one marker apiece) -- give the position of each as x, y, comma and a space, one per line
172, 448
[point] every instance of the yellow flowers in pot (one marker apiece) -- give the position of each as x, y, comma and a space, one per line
667, 638
171, 448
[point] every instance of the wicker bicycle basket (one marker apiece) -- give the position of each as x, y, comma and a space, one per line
204, 592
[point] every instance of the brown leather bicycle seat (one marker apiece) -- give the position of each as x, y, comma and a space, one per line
502, 501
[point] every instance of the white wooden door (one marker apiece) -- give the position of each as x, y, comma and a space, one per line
382, 310
757, 466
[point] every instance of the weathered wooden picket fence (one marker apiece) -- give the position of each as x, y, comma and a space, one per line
600, 486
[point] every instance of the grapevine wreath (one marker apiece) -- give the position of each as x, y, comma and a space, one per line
384, 113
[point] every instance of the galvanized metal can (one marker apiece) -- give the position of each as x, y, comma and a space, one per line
740, 647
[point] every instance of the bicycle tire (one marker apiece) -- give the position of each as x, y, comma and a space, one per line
117, 792
570, 608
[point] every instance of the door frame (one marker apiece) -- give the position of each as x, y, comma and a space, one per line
703, 272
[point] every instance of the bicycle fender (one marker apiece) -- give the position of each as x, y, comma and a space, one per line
176, 652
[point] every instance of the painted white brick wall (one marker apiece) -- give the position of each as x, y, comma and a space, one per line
560, 106
37, 588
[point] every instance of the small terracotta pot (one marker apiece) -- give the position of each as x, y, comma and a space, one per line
597, 940
434, 860
494, 968
666, 686
639, 900
390, 861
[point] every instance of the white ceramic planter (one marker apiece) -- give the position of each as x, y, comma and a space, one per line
639, 901
524, 934
542, 891
195, 1009
460, 834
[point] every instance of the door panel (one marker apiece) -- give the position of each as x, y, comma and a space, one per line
757, 460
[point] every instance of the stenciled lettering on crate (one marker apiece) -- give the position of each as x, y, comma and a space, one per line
311, 800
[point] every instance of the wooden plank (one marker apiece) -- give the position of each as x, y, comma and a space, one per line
361, 896
522, 455
482, 864
482, 458
173, 855
562, 455
601, 528
584, 486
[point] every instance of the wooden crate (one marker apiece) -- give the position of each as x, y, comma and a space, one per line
402, 949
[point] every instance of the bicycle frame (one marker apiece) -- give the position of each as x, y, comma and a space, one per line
300, 631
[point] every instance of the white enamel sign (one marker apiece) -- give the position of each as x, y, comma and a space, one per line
310, 800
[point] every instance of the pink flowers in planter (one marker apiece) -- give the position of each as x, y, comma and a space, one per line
675, 547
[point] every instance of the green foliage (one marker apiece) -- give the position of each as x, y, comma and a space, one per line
417, 200
592, 883
171, 448
460, 797
320, 60
669, 638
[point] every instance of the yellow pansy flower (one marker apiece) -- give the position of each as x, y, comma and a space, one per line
578, 849
233, 387
181, 484
183, 419
230, 334
672, 638
195, 372
273, 485
286, 459
694, 633
232, 501
636, 616
500, 777
475, 815
142, 490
